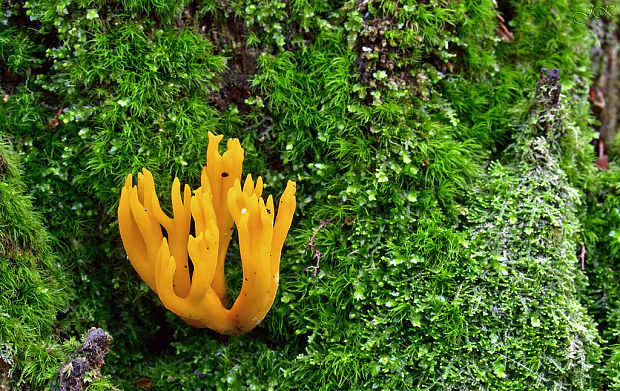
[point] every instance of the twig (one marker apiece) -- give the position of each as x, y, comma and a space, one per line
583, 256
317, 254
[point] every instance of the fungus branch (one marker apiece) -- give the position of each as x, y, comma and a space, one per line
216, 206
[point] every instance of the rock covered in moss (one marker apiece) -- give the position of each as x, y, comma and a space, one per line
524, 240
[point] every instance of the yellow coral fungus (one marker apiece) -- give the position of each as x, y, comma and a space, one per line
217, 205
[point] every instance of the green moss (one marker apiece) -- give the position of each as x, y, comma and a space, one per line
523, 250
602, 246
22, 231
32, 285
436, 271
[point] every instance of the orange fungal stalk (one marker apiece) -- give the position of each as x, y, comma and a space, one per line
215, 207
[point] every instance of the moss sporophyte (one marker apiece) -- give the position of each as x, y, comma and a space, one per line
220, 202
